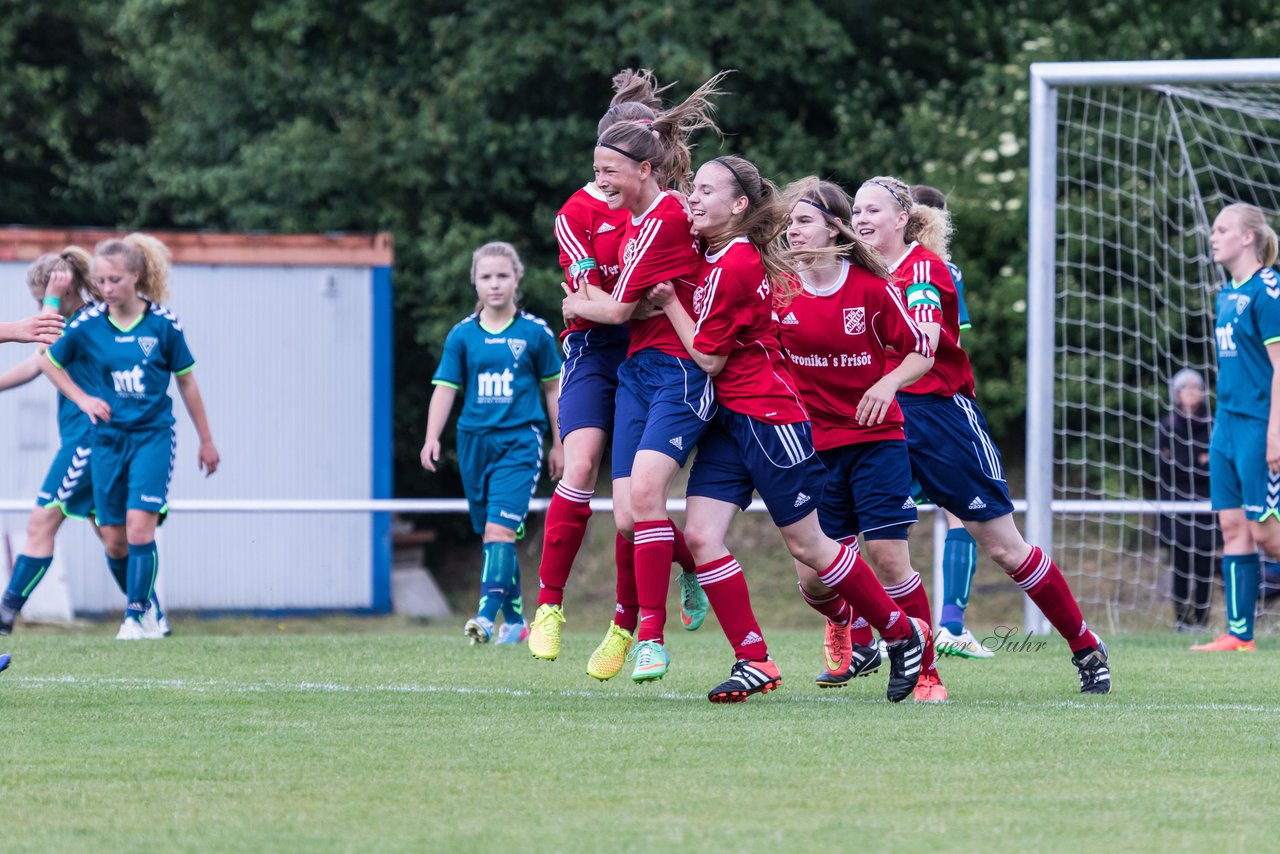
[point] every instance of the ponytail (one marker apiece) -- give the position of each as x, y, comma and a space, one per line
144, 256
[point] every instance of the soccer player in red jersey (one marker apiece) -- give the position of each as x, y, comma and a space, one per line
590, 234
838, 334
761, 439
664, 400
952, 455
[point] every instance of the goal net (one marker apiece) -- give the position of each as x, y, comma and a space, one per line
1130, 164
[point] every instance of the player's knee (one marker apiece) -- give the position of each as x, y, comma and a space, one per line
704, 544
43, 523
495, 533
580, 473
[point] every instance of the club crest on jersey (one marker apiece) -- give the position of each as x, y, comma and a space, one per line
147, 344
855, 320
629, 252
517, 346
1242, 302
698, 296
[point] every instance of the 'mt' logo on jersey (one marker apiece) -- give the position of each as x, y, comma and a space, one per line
495, 387
1226, 340
129, 383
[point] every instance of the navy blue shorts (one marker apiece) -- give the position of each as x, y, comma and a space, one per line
589, 378
953, 457
499, 470
69, 485
1238, 473
739, 454
664, 404
868, 491
131, 470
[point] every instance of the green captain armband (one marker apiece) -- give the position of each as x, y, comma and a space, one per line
577, 268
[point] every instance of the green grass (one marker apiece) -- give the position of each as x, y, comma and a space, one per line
408, 739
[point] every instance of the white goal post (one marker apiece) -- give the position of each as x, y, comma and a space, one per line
1129, 163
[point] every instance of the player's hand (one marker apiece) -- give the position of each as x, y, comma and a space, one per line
555, 461
1273, 451
208, 458
645, 310
430, 454
876, 402
684, 201
59, 286
661, 294
98, 410
568, 307
38, 329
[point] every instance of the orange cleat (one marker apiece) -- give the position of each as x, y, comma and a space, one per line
1225, 643
930, 689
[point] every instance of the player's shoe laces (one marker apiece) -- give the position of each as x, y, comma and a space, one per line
1095, 674
510, 634
964, 645
651, 661
479, 629
905, 658
544, 634
1226, 643
607, 660
131, 629
930, 689
693, 602
746, 678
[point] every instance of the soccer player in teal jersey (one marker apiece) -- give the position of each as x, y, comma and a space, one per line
501, 359
1244, 450
132, 345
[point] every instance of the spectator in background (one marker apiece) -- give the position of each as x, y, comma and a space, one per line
1182, 459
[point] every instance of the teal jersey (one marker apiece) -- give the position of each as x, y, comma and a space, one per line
73, 425
500, 373
1248, 320
128, 368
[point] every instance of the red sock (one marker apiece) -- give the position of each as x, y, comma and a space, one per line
911, 595
654, 542
626, 609
726, 590
860, 630
565, 527
831, 606
1041, 579
850, 576
681, 552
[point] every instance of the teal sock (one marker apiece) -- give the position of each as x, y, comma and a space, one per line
27, 572
513, 605
1240, 577
119, 567
959, 560
144, 563
495, 578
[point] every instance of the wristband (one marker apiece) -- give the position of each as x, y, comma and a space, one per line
51, 302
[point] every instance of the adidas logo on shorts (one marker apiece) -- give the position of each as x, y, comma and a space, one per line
790, 319
678, 443
977, 504
801, 499
606, 227
752, 637
909, 504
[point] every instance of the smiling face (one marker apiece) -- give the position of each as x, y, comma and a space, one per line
118, 285
717, 202
879, 220
496, 281
807, 228
620, 178
1231, 242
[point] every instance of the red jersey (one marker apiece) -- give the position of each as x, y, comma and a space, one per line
931, 297
659, 247
735, 319
837, 342
590, 238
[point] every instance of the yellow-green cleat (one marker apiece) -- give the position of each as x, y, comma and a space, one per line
606, 662
544, 633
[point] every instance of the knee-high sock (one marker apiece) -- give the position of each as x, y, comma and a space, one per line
1041, 579
959, 560
850, 576
495, 577
144, 565
726, 590
626, 609
27, 572
566, 525
1240, 577
119, 567
831, 606
680, 552
654, 542
513, 602
913, 598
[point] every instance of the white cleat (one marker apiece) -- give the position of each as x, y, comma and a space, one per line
478, 629
131, 629
151, 628
964, 645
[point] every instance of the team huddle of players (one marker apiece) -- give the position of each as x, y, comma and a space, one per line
805, 343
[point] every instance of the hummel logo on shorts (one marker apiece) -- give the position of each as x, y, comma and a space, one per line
790, 319
977, 504
678, 442
801, 499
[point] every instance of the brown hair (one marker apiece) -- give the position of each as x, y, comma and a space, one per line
664, 142
928, 226
72, 258
637, 98
925, 194
837, 211
1252, 219
496, 249
145, 257
764, 222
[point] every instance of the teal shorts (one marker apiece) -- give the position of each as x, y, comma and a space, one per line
1238, 474
69, 483
499, 473
131, 470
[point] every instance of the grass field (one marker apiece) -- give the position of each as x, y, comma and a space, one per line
248, 736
